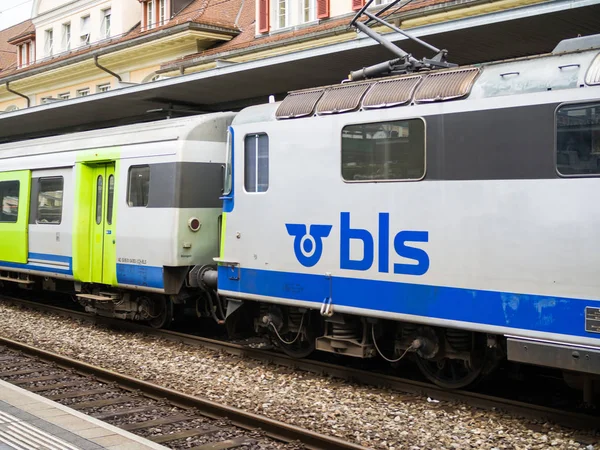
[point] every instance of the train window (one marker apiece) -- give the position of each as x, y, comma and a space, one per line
9, 194
384, 151
256, 163
228, 181
578, 139
50, 200
139, 186
99, 189
111, 199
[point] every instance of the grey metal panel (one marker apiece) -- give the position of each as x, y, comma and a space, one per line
185, 185
33, 203
506, 143
579, 359
578, 44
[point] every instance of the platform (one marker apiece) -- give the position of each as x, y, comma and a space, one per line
31, 422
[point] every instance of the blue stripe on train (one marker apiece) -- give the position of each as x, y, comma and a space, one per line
148, 276
42, 257
520, 311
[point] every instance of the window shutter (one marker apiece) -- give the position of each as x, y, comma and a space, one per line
322, 9
357, 4
263, 16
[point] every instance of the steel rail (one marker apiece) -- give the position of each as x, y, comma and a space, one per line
483, 401
272, 428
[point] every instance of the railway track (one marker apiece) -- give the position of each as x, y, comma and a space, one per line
165, 416
576, 420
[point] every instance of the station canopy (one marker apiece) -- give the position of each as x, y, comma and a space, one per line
512, 33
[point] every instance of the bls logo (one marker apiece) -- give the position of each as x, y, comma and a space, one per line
309, 247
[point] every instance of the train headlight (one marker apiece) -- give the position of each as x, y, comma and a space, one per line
194, 224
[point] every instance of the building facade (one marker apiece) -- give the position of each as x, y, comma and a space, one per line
77, 48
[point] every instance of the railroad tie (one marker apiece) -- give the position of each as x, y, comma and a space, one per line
78, 394
156, 422
225, 445
125, 412
183, 435
100, 403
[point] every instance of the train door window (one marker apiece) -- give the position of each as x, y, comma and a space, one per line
50, 200
9, 195
99, 188
138, 186
111, 199
384, 151
578, 139
256, 163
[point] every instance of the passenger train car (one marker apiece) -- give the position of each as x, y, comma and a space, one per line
115, 216
448, 213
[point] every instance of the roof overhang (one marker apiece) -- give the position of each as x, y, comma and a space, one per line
499, 35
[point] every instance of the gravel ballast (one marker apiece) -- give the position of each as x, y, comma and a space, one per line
373, 417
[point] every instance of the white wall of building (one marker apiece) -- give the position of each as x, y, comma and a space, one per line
53, 14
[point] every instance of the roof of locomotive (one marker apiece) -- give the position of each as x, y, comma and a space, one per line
196, 128
574, 63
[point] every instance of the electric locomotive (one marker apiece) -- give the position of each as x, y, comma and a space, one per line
448, 214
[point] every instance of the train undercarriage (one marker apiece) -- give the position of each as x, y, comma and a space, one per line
450, 358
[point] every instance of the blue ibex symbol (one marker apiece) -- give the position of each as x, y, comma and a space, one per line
308, 247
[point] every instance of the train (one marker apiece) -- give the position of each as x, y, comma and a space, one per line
447, 216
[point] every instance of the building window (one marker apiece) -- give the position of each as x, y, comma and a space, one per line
150, 14
138, 189
384, 151
49, 42
12, 108
84, 35
50, 200
103, 87
9, 195
256, 163
31, 52
308, 11
105, 27
64, 96
45, 100
578, 139
23, 55
66, 36
282, 13
162, 11
83, 92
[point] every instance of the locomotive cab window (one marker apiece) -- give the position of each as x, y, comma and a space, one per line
578, 139
138, 186
50, 200
384, 151
256, 163
9, 195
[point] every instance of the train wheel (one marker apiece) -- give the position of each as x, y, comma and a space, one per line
161, 312
299, 349
451, 373
298, 344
